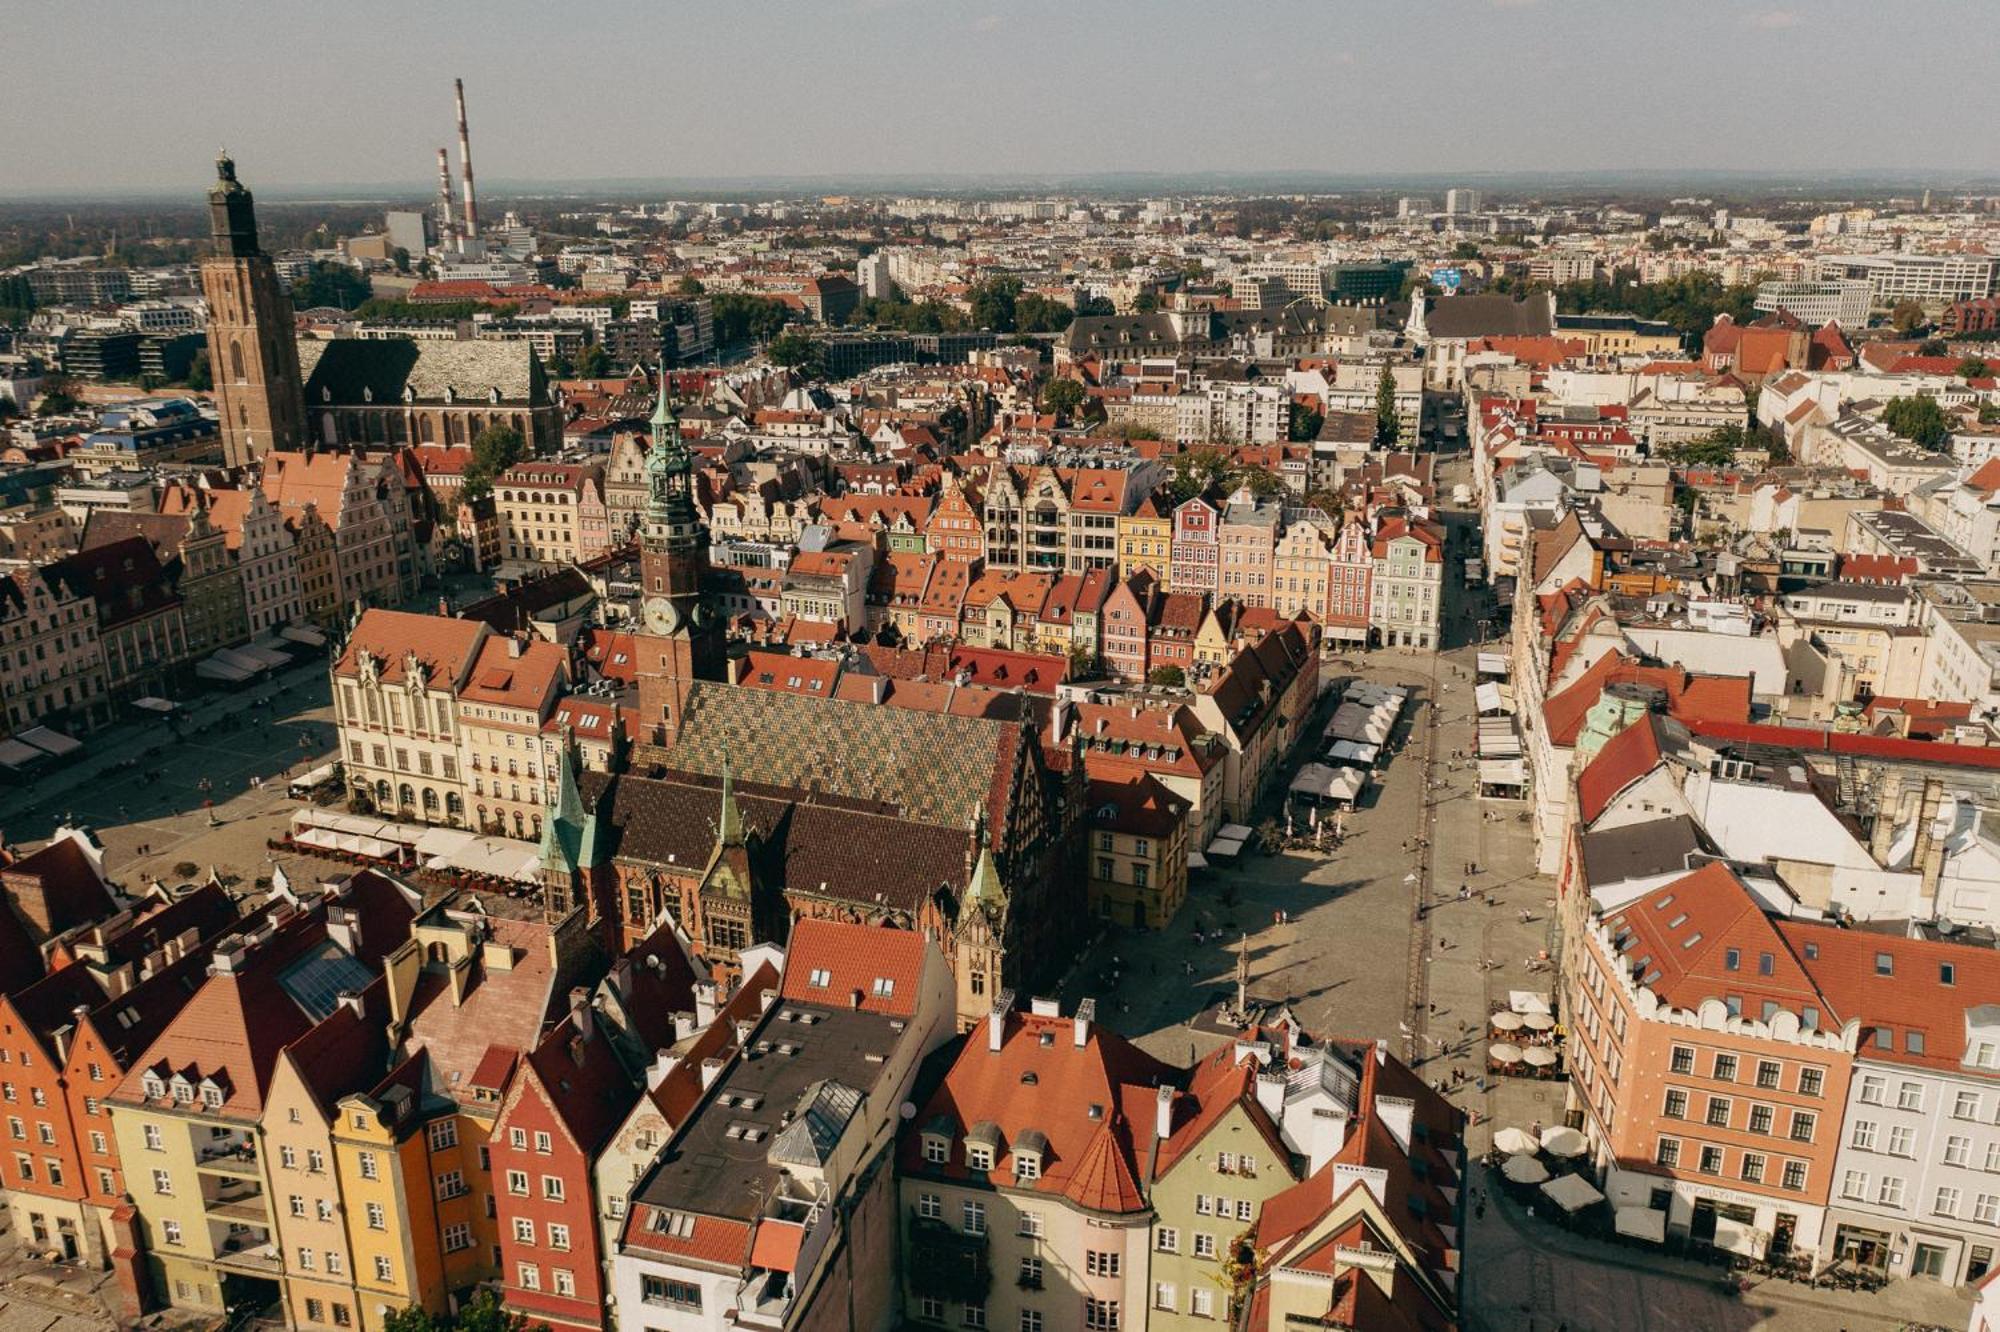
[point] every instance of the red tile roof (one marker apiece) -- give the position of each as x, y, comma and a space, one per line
1625, 758
1690, 698
1681, 938
856, 960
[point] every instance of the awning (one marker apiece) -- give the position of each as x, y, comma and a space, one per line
1562, 1140
15, 755
220, 671
1226, 847
776, 1248
352, 843
300, 633
1572, 1193
1524, 1170
1647, 1223
1503, 772
1358, 753
150, 704
442, 842
1528, 1001
241, 660
318, 776
1492, 697
1493, 663
49, 742
1514, 1142
1316, 779
1196, 860
267, 656
1235, 830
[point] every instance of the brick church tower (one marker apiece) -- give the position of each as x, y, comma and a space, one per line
679, 639
253, 354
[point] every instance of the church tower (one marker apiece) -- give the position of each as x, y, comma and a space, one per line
679, 639
253, 354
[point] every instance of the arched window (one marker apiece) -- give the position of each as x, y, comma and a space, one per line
408, 796
434, 952
236, 360
454, 807
382, 794
430, 801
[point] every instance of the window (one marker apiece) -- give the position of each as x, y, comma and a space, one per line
1902, 1139
1031, 1320
978, 1156
974, 1217
936, 1150
1957, 1150
1167, 1240
1668, 1153
1201, 1302
171, 1231
336, 1265
376, 1218
929, 1206
543, 1143
524, 1230
1854, 1184
1871, 1089
552, 1188
1795, 1176
1910, 1096
324, 1209
315, 1311
1885, 964
1767, 1074
1711, 1161
1102, 1263
1890, 1192
305, 1258
931, 1307
685, 1294
1204, 1244
1753, 1168
1862, 1139
1027, 1166
527, 1276
1986, 1209
365, 1162
565, 1280
1164, 1295
451, 1184
297, 1205
1718, 1111
288, 1158
1811, 1080
163, 1184
315, 1161
1725, 1068
1030, 1277
558, 1235
1802, 1126
1946, 1202
1030, 1224
1760, 1118
1683, 1060
340, 1316
154, 1142
517, 1183
1100, 1315
442, 1133
1965, 1105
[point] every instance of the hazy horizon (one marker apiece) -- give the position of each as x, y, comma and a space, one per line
967, 90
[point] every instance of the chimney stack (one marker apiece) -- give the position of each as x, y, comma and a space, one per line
444, 200
1163, 1113
996, 1020
465, 161
1086, 1013
704, 1004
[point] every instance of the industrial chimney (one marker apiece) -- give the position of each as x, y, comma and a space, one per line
465, 162
444, 200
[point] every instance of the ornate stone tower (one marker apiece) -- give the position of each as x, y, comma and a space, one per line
252, 352
679, 639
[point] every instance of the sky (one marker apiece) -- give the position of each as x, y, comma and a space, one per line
136, 95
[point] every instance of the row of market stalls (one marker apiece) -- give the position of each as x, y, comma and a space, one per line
25, 751
1503, 769
415, 846
246, 662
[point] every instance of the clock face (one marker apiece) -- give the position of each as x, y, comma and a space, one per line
662, 616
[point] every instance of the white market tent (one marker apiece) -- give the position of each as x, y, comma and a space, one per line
299, 633
1514, 1142
1237, 831
1493, 663
326, 839
268, 657
1503, 772
49, 742
1562, 1140
15, 755
1373, 695
1491, 698
151, 704
1497, 738
1349, 752
1572, 1193
1524, 1170
1324, 783
1528, 1001
211, 668
1226, 847
1648, 1223
241, 660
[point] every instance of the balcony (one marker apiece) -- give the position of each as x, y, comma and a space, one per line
232, 1156
250, 1256
237, 1200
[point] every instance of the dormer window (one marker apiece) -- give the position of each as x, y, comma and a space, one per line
154, 1088
979, 1156
183, 1090
936, 1150
1027, 1165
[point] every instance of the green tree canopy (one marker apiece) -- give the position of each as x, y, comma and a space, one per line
1388, 426
595, 362
1906, 316
740, 317
1171, 677
795, 351
330, 284
689, 286
1918, 419
494, 450
200, 377
1715, 449
1096, 305
1305, 424
1973, 368
1063, 396
484, 1313
1038, 314
994, 303
1201, 471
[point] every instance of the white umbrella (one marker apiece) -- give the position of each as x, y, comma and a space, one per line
1539, 1056
1514, 1141
1572, 1193
1504, 1021
1524, 1170
1562, 1140
1505, 1052
1538, 1021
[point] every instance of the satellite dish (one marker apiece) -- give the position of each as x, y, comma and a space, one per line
908, 1110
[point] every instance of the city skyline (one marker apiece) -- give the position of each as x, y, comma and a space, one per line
1349, 92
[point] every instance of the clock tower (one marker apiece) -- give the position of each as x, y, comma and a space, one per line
679, 638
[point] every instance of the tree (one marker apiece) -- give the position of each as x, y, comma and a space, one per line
1146, 303
1170, 677
1715, 449
1933, 347
401, 258
1095, 305
796, 351
1039, 314
495, 450
1973, 368
1388, 426
1465, 250
1082, 663
1063, 396
200, 377
743, 318
1919, 420
595, 362
330, 284
993, 303
1906, 316
58, 396
484, 1313
1304, 424
690, 286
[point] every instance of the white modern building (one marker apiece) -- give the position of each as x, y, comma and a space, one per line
1843, 301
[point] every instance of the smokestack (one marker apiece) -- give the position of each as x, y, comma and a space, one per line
465, 161
444, 200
